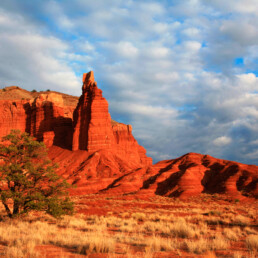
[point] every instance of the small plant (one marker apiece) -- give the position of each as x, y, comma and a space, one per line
48, 89
139, 216
4, 89
33, 91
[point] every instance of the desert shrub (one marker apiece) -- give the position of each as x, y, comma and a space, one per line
230, 234
139, 216
181, 228
28, 179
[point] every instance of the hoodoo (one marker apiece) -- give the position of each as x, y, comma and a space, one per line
92, 122
94, 130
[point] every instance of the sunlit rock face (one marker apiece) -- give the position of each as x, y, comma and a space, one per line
191, 175
94, 130
81, 137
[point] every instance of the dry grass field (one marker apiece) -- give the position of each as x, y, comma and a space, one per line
137, 226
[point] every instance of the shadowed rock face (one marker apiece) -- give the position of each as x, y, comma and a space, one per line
45, 117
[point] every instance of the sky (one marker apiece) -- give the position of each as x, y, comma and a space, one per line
183, 73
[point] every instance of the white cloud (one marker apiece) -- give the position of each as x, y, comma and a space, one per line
32, 60
122, 49
248, 78
222, 140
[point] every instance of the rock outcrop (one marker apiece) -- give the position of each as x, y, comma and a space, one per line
44, 117
191, 175
92, 122
13, 115
101, 147
94, 130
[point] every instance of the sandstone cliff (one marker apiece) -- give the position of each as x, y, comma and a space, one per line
103, 148
94, 130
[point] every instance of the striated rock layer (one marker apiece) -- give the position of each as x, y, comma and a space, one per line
92, 122
191, 175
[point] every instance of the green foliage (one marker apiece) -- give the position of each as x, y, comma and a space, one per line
48, 89
33, 91
28, 180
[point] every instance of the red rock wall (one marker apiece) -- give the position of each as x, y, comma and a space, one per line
126, 145
13, 116
43, 114
47, 115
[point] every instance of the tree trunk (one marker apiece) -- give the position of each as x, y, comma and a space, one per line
15, 208
9, 213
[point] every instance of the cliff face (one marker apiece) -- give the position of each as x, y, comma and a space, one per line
44, 117
55, 119
94, 130
13, 115
92, 122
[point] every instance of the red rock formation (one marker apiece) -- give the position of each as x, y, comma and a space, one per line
102, 149
13, 115
126, 146
190, 175
92, 122
101, 155
41, 117
48, 122
93, 129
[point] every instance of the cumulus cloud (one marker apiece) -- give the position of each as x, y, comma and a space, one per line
32, 60
222, 140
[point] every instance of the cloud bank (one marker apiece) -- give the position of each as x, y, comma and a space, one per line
183, 73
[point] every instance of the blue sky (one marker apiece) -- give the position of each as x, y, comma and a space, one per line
183, 73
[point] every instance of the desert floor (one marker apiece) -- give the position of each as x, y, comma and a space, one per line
137, 226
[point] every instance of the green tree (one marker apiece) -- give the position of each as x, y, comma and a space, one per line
28, 180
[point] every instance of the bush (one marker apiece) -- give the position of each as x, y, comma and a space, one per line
28, 180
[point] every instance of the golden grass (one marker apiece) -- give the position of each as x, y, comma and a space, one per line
203, 245
138, 232
252, 242
230, 234
25, 236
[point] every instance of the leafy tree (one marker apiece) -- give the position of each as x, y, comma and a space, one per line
28, 180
